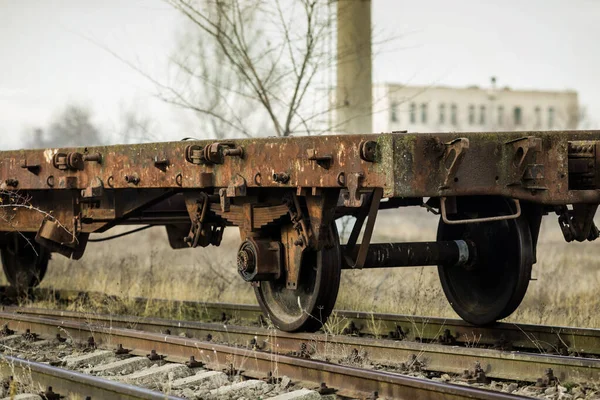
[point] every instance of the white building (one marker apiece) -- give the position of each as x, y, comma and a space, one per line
439, 108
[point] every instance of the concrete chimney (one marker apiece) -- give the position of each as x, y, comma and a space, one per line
354, 67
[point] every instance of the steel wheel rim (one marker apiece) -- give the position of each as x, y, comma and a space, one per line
23, 268
496, 285
307, 307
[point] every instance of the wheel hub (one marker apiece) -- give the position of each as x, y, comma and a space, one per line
259, 260
246, 261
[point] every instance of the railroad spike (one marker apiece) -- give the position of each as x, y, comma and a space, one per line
351, 329
6, 331
398, 333
154, 356
325, 390
446, 338
49, 394
193, 363
29, 336
476, 375
120, 350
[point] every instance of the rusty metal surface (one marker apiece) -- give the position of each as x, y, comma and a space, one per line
432, 357
71, 383
402, 164
348, 380
92, 189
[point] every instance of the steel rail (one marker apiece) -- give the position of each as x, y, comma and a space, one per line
433, 357
529, 337
350, 381
66, 382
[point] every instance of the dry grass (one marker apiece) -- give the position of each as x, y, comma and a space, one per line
564, 292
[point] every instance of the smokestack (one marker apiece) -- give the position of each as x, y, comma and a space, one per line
354, 76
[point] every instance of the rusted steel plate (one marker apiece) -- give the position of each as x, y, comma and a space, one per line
413, 165
261, 156
525, 165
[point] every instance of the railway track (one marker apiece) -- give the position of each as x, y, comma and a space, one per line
403, 355
546, 339
59, 381
251, 364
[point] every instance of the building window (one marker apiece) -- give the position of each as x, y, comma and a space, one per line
482, 115
471, 114
538, 117
517, 116
413, 113
442, 113
500, 115
424, 113
550, 117
394, 112
453, 112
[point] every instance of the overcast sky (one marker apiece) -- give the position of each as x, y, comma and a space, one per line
52, 53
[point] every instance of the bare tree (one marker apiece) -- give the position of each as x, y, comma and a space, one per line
249, 66
134, 126
73, 127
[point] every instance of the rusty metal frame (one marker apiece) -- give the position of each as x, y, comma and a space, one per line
72, 192
369, 212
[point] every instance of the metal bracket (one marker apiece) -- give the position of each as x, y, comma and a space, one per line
57, 237
293, 255
516, 215
224, 200
584, 160
296, 238
353, 183
197, 230
578, 224
453, 155
66, 161
213, 153
94, 191
33, 168
525, 170
371, 213
323, 160
237, 187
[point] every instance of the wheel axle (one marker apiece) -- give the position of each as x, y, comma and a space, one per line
390, 255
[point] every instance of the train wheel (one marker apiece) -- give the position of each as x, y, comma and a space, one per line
494, 286
24, 261
307, 307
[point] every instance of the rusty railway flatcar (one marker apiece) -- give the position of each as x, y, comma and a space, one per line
285, 194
